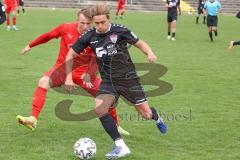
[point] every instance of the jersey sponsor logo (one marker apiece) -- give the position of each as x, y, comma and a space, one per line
100, 51
113, 38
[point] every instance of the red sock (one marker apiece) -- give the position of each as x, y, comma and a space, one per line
14, 19
117, 12
113, 114
38, 101
8, 21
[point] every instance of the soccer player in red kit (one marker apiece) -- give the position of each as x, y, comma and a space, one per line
55, 76
11, 6
120, 7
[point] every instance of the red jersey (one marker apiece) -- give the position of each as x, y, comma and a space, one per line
121, 2
10, 2
69, 34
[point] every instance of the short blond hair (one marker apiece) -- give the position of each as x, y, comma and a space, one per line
100, 9
86, 12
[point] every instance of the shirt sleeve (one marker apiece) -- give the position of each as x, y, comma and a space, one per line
44, 38
130, 37
81, 43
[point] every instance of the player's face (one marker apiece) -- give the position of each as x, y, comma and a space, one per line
101, 23
83, 23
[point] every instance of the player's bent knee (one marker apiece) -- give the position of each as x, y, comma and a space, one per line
44, 82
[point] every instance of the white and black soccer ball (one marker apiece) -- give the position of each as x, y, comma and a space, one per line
85, 148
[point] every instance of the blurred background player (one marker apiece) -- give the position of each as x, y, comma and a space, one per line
120, 7
173, 7
212, 8
2, 13
55, 76
233, 43
201, 11
11, 6
20, 4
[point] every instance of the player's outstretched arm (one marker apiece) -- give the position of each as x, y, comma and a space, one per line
25, 50
69, 84
43, 38
145, 48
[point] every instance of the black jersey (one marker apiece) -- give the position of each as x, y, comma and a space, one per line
172, 6
111, 49
201, 4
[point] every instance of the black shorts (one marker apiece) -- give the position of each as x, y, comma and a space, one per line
130, 89
171, 17
200, 11
212, 21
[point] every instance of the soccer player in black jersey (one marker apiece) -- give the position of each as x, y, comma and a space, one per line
201, 11
173, 7
233, 43
2, 13
110, 44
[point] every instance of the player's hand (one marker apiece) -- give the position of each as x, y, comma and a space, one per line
25, 50
152, 58
70, 85
87, 80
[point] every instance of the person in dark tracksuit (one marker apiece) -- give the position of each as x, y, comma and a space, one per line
2, 13
201, 11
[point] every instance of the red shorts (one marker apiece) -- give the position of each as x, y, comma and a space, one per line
57, 75
94, 80
11, 8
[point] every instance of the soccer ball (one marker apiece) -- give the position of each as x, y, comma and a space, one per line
85, 148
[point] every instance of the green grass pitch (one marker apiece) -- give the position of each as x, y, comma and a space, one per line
202, 109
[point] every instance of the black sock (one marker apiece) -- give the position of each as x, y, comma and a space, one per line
204, 19
110, 126
169, 33
173, 34
210, 35
236, 43
154, 114
23, 10
197, 20
18, 11
216, 33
